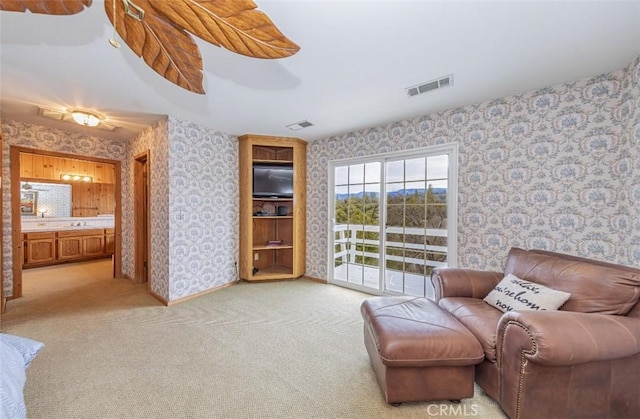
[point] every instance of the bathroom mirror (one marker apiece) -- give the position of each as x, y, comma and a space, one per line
38, 199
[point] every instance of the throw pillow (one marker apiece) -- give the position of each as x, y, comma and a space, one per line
513, 293
16, 353
28, 348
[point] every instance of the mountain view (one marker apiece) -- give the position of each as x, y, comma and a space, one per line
438, 192
417, 208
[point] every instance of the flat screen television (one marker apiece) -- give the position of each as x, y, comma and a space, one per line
272, 181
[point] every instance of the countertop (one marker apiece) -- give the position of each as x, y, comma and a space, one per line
37, 225
61, 228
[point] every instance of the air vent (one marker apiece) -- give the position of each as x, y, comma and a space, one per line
299, 125
428, 86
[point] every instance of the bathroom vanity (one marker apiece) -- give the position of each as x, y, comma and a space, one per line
62, 240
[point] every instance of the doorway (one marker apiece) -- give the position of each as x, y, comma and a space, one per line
393, 220
141, 218
52, 173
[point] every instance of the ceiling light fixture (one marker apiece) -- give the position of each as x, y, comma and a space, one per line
76, 178
85, 118
64, 114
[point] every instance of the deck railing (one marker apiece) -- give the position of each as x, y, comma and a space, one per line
352, 244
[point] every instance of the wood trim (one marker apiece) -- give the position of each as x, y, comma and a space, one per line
157, 297
142, 184
314, 279
74, 233
117, 234
16, 228
198, 294
300, 207
188, 297
138, 250
244, 180
63, 155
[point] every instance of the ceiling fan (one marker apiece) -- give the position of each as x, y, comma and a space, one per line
160, 31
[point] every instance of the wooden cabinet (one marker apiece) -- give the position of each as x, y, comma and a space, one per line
40, 247
272, 229
76, 244
93, 246
109, 241
69, 248
50, 248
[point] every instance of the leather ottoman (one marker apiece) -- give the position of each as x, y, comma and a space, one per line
419, 352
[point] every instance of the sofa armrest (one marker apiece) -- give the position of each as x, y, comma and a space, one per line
457, 282
566, 338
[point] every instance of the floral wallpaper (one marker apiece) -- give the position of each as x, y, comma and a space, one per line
34, 136
156, 141
630, 220
556, 168
194, 200
194, 208
203, 208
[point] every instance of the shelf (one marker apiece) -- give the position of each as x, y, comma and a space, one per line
273, 246
272, 216
267, 161
273, 199
272, 272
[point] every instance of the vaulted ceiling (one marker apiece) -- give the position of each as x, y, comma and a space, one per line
355, 61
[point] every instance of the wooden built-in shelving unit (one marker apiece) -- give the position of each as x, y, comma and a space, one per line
260, 260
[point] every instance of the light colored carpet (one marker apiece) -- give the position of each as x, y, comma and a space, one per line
289, 349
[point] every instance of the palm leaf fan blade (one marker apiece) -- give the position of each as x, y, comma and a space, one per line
45, 7
164, 47
232, 24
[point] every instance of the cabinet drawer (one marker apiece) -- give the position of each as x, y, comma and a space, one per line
79, 233
40, 236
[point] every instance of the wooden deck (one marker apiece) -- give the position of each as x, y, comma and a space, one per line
395, 281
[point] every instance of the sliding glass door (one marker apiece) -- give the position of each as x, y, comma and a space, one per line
393, 220
416, 222
356, 215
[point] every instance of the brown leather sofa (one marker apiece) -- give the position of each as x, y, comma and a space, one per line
581, 361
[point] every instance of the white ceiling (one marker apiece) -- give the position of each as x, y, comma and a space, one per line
355, 61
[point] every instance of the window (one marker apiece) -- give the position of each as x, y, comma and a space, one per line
396, 211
